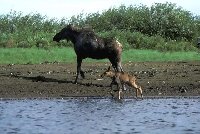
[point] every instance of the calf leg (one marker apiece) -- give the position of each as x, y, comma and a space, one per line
119, 95
138, 88
118, 68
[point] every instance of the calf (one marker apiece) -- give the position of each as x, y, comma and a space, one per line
122, 78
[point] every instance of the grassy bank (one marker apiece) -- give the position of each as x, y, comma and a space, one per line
35, 56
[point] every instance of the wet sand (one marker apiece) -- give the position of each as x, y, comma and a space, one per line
55, 80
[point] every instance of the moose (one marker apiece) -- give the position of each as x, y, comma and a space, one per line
88, 45
122, 78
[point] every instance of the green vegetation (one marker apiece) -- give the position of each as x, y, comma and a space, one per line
35, 55
162, 32
163, 27
154, 55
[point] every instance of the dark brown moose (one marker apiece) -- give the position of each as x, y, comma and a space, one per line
88, 45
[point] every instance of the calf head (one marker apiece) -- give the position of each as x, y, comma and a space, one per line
108, 72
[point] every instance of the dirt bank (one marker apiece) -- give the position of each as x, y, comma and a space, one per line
56, 80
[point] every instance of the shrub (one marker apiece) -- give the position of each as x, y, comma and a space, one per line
23, 44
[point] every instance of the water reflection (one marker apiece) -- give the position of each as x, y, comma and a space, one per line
100, 116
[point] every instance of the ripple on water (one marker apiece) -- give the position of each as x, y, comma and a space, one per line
100, 116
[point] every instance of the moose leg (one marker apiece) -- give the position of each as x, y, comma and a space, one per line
119, 66
79, 71
114, 82
120, 69
123, 87
82, 74
111, 85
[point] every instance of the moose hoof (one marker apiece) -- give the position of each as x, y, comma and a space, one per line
75, 82
82, 74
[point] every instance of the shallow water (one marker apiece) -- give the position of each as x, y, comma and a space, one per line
100, 116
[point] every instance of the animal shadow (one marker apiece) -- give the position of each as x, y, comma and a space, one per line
45, 79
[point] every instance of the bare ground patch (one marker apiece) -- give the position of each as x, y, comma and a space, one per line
56, 80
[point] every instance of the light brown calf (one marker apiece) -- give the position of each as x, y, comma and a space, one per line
122, 78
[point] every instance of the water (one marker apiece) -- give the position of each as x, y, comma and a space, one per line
93, 116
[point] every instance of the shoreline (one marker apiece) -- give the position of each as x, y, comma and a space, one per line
99, 98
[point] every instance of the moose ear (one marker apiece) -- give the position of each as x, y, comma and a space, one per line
69, 26
73, 27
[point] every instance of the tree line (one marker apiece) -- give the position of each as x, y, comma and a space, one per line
163, 26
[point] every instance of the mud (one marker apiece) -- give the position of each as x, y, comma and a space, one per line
55, 80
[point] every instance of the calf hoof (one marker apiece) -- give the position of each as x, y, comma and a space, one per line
141, 95
112, 95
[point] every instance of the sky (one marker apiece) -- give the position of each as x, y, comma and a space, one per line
67, 8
